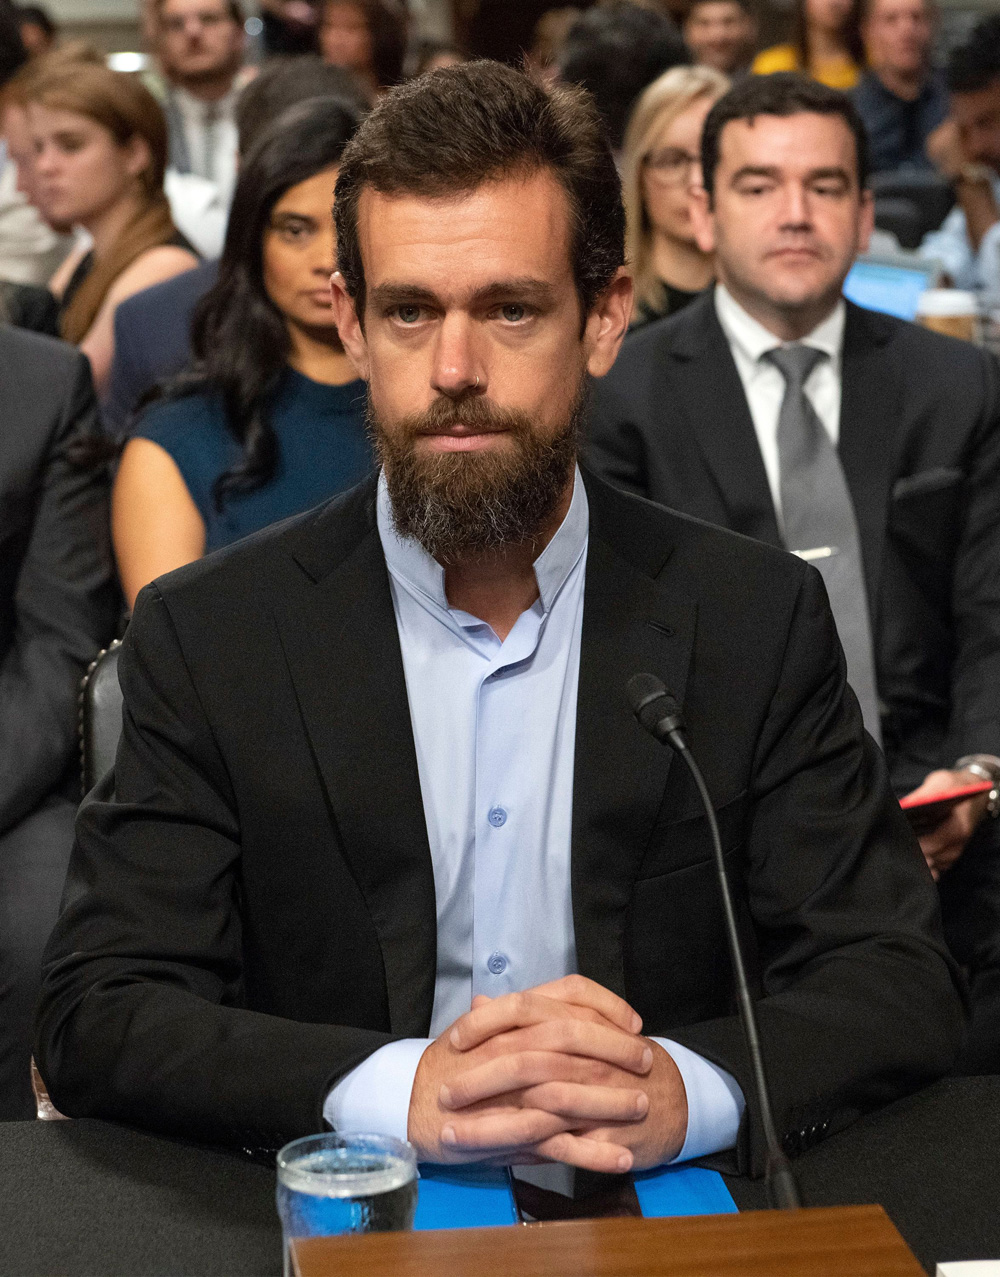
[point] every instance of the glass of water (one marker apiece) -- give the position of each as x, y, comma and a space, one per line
330, 1184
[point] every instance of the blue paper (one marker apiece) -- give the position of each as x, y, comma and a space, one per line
464, 1197
481, 1197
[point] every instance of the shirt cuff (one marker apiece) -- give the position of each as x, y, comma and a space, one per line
714, 1099
374, 1098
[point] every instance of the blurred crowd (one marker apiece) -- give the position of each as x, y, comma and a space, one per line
173, 225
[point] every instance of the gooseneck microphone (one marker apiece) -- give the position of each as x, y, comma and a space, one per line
658, 712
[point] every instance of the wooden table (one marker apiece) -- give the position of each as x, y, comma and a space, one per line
854, 1241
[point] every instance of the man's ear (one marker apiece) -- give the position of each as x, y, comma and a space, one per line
349, 328
608, 323
702, 221
866, 220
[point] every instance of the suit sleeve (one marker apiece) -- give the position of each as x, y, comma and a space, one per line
614, 446
140, 1018
65, 604
974, 725
859, 1001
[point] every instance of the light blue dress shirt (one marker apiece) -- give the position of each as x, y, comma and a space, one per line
968, 268
494, 725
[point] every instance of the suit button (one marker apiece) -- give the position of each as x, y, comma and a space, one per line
791, 1142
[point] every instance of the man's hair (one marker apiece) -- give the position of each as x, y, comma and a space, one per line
234, 6
785, 93
451, 132
975, 64
284, 82
614, 51
13, 54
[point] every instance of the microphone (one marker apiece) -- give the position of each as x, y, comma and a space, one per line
659, 713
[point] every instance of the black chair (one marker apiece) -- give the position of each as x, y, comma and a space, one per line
910, 203
100, 717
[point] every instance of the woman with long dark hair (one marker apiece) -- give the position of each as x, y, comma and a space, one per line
826, 44
270, 421
367, 37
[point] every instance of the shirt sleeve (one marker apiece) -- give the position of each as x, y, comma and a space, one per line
715, 1102
950, 246
375, 1096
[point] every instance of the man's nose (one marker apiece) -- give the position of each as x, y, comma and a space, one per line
796, 213
456, 367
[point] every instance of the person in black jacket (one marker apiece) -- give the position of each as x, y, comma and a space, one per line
58, 606
691, 417
379, 759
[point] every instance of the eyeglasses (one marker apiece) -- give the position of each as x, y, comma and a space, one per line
670, 166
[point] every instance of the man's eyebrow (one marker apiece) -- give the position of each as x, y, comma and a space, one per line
769, 171
523, 289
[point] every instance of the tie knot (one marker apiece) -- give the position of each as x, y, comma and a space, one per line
795, 363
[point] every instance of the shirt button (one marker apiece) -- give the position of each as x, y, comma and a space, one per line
497, 817
497, 963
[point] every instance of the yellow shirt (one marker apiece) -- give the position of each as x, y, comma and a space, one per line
836, 73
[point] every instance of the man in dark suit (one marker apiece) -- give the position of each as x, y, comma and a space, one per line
693, 416
386, 846
58, 603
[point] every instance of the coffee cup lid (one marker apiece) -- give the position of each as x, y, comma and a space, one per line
947, 302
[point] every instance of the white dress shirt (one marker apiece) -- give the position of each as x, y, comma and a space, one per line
764, 385
975, 269
210, 137
494, 726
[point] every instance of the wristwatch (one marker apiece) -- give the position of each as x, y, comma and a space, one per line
986, 767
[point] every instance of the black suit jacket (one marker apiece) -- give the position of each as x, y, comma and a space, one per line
152, 341
252, 913
920, 447
58, 595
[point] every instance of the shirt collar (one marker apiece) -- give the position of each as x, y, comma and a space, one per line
754, 340
409, 562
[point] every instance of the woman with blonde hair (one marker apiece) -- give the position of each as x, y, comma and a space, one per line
100, 152
660, 164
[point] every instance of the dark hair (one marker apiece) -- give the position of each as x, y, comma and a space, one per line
284, 82
239, 338
234, 6
450, 132
387, 28
851, 34
975, 64
13, 54
785, 93
34, 15
614, 51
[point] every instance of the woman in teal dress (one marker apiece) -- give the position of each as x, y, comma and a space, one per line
271, 419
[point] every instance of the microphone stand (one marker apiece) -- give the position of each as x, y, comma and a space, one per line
659, 713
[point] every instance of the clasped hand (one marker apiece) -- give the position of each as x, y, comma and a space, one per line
556, 1073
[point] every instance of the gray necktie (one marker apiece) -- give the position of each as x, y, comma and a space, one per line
210, 121
819, 520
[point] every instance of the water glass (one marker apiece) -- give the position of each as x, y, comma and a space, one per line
330, 1184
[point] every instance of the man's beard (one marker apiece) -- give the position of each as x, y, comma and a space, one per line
479, 502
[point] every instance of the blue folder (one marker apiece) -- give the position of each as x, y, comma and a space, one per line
478, 1197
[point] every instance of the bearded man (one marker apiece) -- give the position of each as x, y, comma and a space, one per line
384, 846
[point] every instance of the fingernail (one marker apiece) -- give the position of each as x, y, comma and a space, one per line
641, 1104
625, 1162
647, 1058
445, 1096
636, 1023
448, 1135
454, 1037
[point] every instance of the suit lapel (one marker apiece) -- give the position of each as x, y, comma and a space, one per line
870, 421
712, 398
338, 632
630, 625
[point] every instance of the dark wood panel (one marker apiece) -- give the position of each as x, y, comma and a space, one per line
845, 1242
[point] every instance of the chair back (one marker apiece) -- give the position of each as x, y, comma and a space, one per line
100, 717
